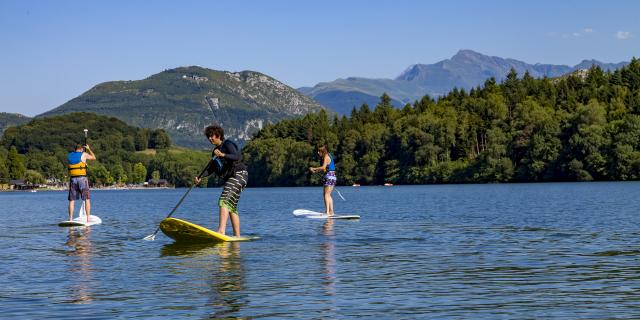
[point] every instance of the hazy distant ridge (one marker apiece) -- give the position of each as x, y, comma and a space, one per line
466, 69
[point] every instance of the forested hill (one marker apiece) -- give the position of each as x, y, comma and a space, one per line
11, 119
185, 100
576, 128
37, 151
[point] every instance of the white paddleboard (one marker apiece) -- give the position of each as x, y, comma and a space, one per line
320, 215
81, 221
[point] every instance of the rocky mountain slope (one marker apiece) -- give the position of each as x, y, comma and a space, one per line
185, 100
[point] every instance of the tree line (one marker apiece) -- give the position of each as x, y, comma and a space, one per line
37, 152
581, 127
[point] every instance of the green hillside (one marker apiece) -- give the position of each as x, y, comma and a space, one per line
125, 154
11, 119
183, 101
577, 128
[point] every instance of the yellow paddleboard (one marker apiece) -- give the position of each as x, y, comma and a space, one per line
187, 232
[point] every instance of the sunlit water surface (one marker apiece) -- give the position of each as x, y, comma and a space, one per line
499, 251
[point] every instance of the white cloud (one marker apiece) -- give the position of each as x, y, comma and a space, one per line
567, 35
623, 35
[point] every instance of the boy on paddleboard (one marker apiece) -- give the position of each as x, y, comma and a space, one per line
227, 163
329, 179
78, 180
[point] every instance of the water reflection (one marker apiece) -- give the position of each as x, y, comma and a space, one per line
329, 263
81, 268
225, 273
193, 250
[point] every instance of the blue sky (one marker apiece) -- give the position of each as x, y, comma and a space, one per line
53, 51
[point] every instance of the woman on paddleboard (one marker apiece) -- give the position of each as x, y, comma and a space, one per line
227, 163
329, 178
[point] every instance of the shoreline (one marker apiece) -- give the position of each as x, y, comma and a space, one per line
340, 186
92, 189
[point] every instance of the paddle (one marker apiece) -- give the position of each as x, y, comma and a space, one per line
83, 210
152, 237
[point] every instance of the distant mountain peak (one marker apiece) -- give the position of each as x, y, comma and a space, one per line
468, 54
466, 69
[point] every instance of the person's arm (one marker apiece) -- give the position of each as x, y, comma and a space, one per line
325, 163
89, 154
232, 153
207, 172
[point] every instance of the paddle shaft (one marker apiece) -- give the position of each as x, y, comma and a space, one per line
182, 199
84, 202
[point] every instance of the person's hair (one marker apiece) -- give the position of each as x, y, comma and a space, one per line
323, 149
78, 147
214, 129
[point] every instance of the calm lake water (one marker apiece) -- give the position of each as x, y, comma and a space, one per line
498, 251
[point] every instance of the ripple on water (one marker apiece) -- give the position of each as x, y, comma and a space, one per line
470, 251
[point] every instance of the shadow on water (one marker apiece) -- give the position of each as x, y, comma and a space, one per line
225, 274
79, 239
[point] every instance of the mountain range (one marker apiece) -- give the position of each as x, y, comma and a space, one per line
185, 100
465, 70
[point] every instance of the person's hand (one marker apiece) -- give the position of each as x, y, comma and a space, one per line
218, 153
311, 169
86, 146
197, 180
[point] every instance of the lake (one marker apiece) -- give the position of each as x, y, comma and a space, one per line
495, 251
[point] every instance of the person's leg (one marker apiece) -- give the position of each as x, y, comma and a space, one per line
230, 197
87, 208
71, 206
73, 195
235, 223
86, 197
330, 201
327, 199
224, 215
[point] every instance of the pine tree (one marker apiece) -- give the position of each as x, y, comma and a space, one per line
16, 164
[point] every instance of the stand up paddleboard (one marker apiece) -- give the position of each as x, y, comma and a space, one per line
187, 232
81, 220
320, 215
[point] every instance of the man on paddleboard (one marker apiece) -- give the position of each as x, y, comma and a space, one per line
227, 163
78, 180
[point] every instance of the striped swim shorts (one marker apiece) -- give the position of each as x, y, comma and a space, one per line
232, 189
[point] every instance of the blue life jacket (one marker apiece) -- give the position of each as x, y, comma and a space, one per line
76, 167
